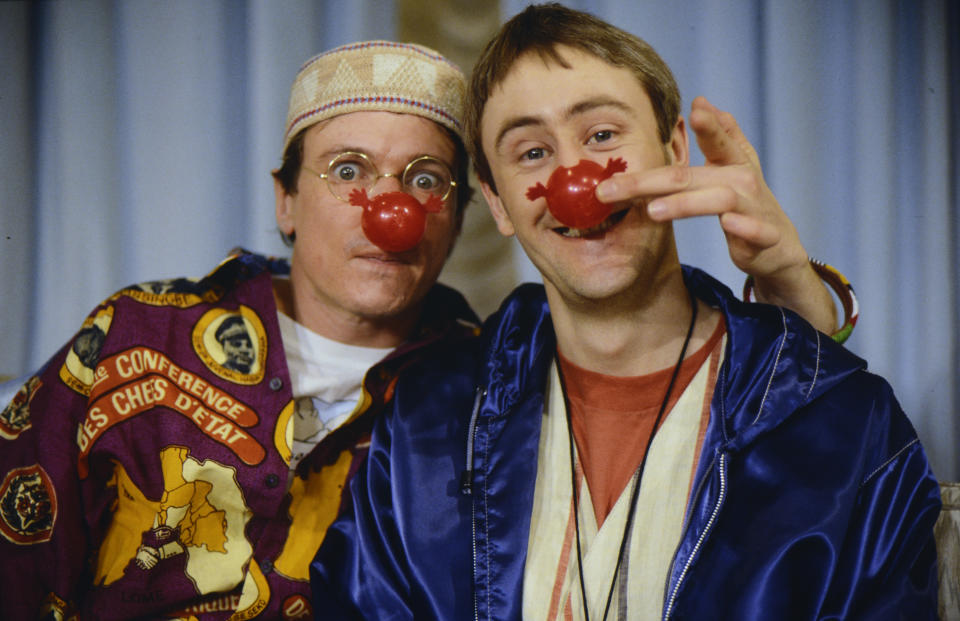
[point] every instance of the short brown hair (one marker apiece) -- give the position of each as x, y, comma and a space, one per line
540, 29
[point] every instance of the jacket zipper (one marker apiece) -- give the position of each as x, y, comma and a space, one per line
466, 487
473, 533
466, 479
703, 535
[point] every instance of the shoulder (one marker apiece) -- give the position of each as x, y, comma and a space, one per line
181, 315
185, 291
865, 404
445, 304
438, 384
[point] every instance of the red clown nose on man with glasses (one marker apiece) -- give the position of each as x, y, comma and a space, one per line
200, 481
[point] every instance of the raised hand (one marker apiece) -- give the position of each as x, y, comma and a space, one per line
761, 239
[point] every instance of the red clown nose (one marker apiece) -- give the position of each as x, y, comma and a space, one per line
394, 221
570, 193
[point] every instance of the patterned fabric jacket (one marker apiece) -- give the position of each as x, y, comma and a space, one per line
144, 471
812, 497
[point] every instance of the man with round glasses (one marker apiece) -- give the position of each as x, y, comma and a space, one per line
166, 484
422, 177
169, 483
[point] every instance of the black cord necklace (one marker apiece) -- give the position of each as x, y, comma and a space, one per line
638, 475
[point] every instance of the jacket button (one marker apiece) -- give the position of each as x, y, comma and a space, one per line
276, 384
272, 480
266, 566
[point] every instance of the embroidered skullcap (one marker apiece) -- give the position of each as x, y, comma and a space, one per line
376, 75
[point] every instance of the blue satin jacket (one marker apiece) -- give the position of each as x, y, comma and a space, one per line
813, 498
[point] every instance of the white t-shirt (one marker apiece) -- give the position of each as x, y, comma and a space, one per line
326, 378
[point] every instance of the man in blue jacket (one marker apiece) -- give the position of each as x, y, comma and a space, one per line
630, 441
183, 456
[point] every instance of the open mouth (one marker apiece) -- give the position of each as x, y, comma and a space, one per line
593, 231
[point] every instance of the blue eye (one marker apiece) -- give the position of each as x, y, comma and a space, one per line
602, 136
533, 154
346, 171
427, 175
425, 181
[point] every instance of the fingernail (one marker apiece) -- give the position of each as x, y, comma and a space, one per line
606, 189
656, 209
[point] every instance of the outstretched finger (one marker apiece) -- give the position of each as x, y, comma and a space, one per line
730, 125
664, 180
718, 135
712, 201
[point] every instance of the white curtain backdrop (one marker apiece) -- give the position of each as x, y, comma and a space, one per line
136, 140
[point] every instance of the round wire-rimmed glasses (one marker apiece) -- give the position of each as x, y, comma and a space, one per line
422, 177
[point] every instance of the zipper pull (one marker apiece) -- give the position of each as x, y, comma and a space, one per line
466, 479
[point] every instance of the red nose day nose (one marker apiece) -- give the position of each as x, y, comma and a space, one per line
570, 192
394, 221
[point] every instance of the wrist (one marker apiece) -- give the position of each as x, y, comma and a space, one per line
783, 285
830, 276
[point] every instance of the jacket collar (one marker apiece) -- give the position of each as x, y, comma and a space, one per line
774, 363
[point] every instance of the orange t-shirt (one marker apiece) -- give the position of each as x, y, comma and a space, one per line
612, 419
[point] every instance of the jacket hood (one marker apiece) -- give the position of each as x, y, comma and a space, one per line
518, 345
782, 362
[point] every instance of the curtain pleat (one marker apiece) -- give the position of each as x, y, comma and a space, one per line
136, 141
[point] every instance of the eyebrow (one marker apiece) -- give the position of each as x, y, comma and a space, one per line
337, 149
581, 107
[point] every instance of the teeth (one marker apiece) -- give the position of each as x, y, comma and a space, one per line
594, 230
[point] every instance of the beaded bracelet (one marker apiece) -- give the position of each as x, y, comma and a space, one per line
840, 285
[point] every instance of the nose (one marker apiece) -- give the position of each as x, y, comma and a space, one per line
388, 182
569, 155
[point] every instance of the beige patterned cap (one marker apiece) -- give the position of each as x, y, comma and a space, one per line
376, 75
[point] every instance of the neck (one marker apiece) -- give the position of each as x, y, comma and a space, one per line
637, 335
338, 324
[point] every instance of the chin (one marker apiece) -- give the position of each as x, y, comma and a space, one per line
593, 288
384, 301
380, 307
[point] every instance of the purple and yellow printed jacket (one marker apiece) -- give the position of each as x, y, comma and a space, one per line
144, 471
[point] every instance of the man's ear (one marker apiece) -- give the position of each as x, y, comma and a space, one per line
284, 207
679, 146
500, 215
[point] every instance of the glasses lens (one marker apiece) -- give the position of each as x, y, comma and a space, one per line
426, 176
348, 172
